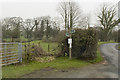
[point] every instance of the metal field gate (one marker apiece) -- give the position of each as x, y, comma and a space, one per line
10, 53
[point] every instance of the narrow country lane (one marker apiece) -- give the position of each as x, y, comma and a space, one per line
110, 53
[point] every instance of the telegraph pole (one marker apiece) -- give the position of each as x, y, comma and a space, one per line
70, 39
69, 34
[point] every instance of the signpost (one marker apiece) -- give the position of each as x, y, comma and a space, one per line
69, 41
68, 34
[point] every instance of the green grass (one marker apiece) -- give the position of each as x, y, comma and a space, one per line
60, 63
65, 63
22, 38
100, 43
118, 46
13, 71
8, 40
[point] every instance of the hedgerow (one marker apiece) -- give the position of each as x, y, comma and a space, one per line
84, 44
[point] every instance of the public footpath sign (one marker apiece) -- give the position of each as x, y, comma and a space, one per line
70, 46
72, 31
67, 34
70, 42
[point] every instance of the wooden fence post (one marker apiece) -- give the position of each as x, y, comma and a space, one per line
28, 51
48, 47
33, 50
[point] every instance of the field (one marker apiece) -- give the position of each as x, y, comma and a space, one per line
44, 45
13, 71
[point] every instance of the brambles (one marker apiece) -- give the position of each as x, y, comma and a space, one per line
45, 59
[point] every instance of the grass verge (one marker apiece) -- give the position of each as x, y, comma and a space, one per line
13, 71
118, 46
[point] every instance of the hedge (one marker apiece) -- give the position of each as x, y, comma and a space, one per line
84, 44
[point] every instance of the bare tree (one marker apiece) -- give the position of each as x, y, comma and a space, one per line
83, 22
56, 23
6, 28
28, 27
70, 13
48, 27
11, 27
107, 20
63, 12
36, 31
16, 26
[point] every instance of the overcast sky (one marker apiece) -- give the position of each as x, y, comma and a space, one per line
37, 8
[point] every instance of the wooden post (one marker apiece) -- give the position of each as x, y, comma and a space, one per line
70, 49
48, 47
28, 51
33, 48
